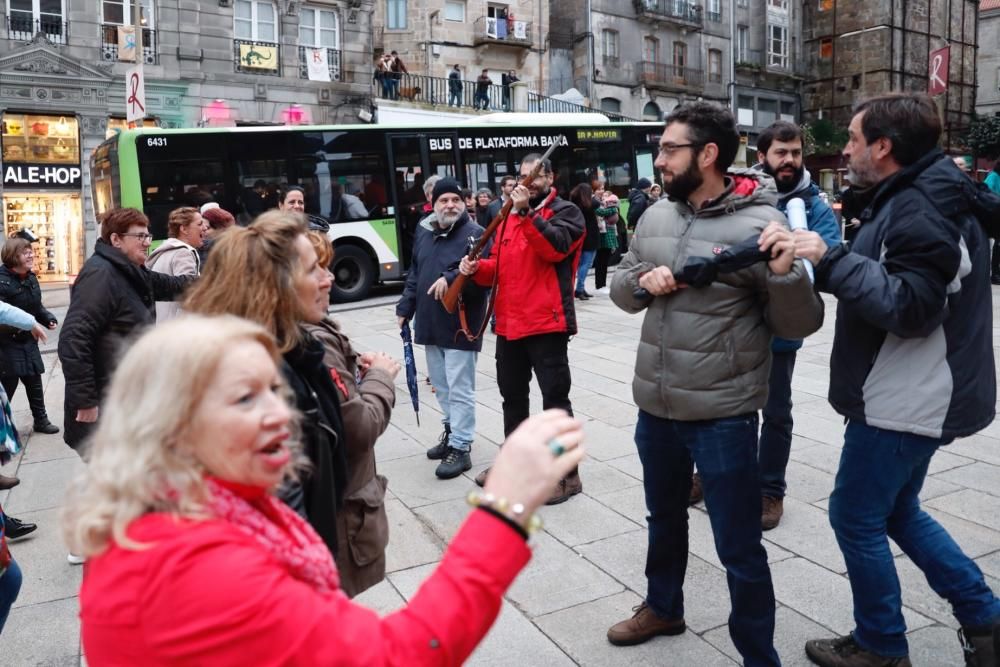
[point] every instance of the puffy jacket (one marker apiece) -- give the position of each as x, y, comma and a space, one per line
365, 407
913, 349
538, 254
206, 593
174, 258
706, 353
436, 254
19, 354
820, 219
111, 299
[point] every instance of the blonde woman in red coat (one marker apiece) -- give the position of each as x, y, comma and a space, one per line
193, 561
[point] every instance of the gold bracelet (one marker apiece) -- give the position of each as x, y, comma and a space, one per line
513, 511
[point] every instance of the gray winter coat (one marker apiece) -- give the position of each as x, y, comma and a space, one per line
706, 353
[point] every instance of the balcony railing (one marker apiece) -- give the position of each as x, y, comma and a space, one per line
252, 57
22, 28
109, 44
681, 12
671, 77
332, 61
542, 104
750, 59
714, 16
440, 91
492, 30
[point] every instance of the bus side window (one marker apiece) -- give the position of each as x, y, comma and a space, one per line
171, 184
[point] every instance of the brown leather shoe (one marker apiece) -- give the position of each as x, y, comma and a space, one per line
771, 511
568, 486
481, 477
697, 493
8, 482
643, 626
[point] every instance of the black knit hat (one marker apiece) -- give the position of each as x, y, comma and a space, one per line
443, 186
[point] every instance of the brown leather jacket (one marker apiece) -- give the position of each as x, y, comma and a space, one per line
362, 523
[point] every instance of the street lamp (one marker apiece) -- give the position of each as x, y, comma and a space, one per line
864, 64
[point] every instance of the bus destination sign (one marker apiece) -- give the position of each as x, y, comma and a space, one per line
495, 142
599, 134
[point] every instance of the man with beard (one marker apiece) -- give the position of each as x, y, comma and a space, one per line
538, 252
440, 242
779, 152
912, 369
701, 370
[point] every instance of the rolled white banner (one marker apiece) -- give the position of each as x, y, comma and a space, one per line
795, 210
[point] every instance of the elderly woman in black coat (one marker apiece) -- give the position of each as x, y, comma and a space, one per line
20, 359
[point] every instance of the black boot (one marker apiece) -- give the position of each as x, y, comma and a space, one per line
454, 464
995, 277
438, 451
36, 400
981, 646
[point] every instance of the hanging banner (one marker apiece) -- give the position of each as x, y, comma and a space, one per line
135, 94
317, 64
520, 30
259, 56
937, 74
126, 43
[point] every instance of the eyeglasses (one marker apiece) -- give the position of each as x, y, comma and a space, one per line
142, 236
670, 149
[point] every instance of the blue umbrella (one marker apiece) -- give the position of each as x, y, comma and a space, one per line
411, 368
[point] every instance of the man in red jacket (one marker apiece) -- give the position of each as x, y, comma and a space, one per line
537, 251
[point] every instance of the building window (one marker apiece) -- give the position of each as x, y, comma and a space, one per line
788, 111
611, 104
651, 50
825, 5
25, 18
256, 20
117, 31
395, 14
715, 66
714, 10
778, 4
742, 3
652, 112
826, 48
609, 46
119, 12
744, 110
454, 10
767, 112
742, 44
680, 58
777, 46
319, 28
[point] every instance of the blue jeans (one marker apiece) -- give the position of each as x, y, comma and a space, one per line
453, 374
10, 585
776, 426
726, 453
875, 497
586, 259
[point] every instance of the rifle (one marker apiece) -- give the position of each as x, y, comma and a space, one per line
453, 297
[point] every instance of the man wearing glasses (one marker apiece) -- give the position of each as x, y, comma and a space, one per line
113, 295
701, 370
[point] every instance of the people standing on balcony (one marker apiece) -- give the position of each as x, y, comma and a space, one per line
383, 74
483, 83
506, 79
397, 69
455, 87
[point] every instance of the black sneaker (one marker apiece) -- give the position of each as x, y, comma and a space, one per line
845, 652
454, 464
15, 528
46, 427
981, 646
438, 451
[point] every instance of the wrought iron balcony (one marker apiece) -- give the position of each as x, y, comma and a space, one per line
252, 57
109, 44
677, 12
492, 30
670, 77
332, 61
24, 28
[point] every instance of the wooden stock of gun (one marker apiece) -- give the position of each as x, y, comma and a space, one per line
453, 296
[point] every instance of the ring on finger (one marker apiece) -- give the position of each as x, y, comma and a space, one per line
556, 447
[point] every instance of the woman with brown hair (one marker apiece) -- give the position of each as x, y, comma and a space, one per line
289, 290
178, 255
367, 395
20, 359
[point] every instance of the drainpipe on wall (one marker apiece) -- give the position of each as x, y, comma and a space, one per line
590, 56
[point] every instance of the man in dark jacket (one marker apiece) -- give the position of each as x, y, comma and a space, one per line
912, 369
114, 295
483, 83
534, 270
507, 184
638, 202
441, 241
779, 151
455, 87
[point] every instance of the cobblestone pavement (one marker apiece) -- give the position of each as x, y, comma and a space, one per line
587, 569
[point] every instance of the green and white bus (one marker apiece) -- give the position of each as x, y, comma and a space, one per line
365, 180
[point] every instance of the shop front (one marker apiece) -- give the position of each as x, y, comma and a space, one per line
42, 189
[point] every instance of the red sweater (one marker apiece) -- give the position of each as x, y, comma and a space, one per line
207, 594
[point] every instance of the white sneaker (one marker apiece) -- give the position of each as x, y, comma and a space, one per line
604, 290
73, 559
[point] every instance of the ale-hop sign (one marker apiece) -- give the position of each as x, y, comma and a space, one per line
19, 175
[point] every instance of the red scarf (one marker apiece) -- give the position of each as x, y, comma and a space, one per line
279, 530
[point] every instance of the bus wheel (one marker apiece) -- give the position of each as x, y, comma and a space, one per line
353, 274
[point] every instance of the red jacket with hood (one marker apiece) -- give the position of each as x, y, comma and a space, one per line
536, 255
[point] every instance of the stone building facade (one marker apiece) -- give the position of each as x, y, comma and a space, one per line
62, 89
855, 49
988, 65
